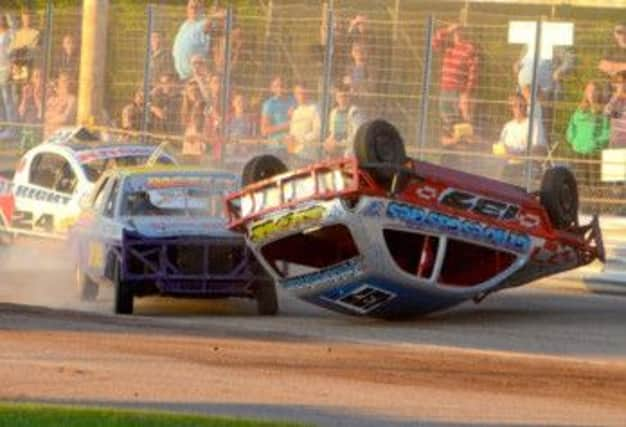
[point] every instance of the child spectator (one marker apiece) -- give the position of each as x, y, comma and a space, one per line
344, 120
61, 106
69, 61
588, 129
241, 124
30, 109
193, 118
304, 126
276, 112
459, 74
616, 110
359, 75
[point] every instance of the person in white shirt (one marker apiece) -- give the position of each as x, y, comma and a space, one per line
513, 139
343, 122
303, 140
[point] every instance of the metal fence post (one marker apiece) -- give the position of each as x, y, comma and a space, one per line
46, 66
327, 76
533, 101
426, 74
225, 95
146, 74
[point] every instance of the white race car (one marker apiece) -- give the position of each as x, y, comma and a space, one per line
51, 178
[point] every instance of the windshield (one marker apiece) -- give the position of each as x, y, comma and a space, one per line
195, 195
96, 167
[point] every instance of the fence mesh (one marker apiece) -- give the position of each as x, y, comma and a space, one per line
296, 78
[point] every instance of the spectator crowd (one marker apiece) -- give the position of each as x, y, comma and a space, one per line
187, 97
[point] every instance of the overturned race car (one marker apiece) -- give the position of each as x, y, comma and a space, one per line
383, 235
162, 230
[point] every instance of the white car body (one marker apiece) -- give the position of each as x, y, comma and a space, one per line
52, 178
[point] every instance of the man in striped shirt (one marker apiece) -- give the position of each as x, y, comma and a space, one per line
459, 74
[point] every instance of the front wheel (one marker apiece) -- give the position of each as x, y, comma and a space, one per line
87, 288
124, 298
559, 196
266, 298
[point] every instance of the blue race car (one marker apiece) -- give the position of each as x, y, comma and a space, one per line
162, 230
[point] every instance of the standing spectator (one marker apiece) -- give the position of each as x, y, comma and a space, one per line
213, 115
344, 120
616, 110
200, 75
132, 113
614, 59
23, 51
276, 112
304, 126
69, 60
160, 59
165, 105
193, 117
61, 106
358, 32
30, 109
359, 75
6, 96
588, 129
219, 41
241, 124
459, 74
193, 37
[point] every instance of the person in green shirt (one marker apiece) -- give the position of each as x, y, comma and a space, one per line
588, 131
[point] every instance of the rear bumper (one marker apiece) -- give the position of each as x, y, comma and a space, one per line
189, 265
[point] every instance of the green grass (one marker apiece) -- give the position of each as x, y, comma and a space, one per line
27, 415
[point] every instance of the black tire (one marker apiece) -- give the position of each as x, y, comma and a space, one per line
87, 288
559, 196
378, 141
266, 297
261, 167
124, 298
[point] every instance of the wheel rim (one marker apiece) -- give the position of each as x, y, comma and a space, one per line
384, 148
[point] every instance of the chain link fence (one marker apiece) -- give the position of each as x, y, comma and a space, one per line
459, 79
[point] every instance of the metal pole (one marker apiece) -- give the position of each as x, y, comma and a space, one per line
533, 101
146, 75
326, 83
225, 95
426, 74
46, 59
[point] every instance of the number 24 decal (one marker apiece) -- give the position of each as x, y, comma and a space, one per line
26, 220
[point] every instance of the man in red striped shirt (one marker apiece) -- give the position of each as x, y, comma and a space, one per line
459, 74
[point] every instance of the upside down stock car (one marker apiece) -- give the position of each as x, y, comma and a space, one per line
43, 197
162, 230
383, 235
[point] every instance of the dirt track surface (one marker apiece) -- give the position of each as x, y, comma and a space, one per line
526, 357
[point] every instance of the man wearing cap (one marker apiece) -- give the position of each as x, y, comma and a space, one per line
614, 59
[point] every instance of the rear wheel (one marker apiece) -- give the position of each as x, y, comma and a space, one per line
266, 298
124, 298
87, 288
376, 142
559, 196
261, 167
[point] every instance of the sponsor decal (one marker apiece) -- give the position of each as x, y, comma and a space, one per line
552, 253
39, 194
87, 156
373, 209
477, 204
329, 276
163, 182
264, 229
474, 230
528, 220
426, 192
362, 298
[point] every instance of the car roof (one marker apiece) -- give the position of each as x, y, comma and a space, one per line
163, 169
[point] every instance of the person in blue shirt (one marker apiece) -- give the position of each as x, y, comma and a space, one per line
276, 112
193, 37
